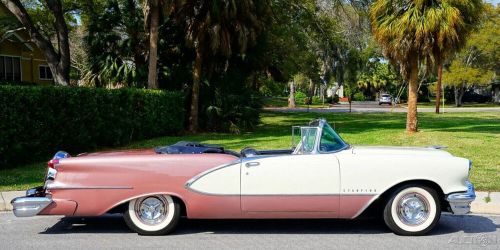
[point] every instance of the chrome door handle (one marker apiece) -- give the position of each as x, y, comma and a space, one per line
252, 164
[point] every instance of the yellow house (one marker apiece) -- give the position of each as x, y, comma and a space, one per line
20, 60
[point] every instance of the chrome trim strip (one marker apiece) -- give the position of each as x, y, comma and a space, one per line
263, 195
51, 186
375, 197
190, 182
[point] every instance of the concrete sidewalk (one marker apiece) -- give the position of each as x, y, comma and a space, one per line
485, 203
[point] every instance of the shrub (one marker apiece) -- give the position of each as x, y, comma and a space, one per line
300, 97
336, 98
316, 100
359, 97
37, 121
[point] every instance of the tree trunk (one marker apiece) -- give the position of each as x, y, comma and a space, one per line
195, 95
153, 47
291, 99
496, 94
310, 92
59, 63
459, 93
438, 85
411, 116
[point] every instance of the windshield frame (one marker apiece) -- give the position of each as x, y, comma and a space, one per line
320, 124
342, 142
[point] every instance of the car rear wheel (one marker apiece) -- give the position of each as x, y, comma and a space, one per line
152, 215
412, 210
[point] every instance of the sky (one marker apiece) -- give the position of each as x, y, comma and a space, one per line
495, 2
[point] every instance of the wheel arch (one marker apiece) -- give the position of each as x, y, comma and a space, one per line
376, 206
122, 206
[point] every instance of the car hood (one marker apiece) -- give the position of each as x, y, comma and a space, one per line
385, 150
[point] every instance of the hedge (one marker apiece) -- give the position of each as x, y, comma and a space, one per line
35, 122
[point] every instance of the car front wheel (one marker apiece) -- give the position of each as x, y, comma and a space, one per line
412, 210
152, 215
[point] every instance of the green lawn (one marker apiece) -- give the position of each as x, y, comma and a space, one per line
280, 102
465, 105
471, 135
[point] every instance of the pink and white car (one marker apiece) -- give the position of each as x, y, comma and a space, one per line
320, 177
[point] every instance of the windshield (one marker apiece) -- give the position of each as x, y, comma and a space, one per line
330, 141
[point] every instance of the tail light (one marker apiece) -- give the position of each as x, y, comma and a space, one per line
52, 163
51, 171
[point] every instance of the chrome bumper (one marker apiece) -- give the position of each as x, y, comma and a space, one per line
460, 202
31, 204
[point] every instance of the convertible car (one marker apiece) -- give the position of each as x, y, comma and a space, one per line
321, 176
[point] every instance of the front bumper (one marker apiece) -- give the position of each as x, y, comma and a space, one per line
460, 202
31, 204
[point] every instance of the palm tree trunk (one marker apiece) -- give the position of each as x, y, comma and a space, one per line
411, 116
195, 95
153, 47
438, 85
291, 99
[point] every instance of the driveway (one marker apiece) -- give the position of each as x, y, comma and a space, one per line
453, 232
373, 107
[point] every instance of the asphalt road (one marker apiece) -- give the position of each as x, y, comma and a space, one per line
373, 107
453, 232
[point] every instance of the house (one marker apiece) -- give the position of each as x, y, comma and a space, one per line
20, 60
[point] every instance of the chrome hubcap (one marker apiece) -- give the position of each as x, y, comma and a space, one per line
413, 209
151, 210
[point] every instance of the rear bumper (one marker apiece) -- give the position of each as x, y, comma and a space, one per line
460, 202
31, 204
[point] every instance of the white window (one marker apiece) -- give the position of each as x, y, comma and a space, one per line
10, 68
44, 72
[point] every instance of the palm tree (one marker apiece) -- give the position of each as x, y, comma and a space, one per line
452, 22
152, 14
411, 32
217, 29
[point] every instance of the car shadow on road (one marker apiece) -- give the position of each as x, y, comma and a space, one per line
114, 224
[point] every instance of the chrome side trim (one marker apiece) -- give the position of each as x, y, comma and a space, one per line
375, 197
460, 202
29, 206
52, 186
198, 176
264, 195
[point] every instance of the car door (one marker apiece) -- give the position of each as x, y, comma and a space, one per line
290, 183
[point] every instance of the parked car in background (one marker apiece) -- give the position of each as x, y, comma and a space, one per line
385, 99
320, 176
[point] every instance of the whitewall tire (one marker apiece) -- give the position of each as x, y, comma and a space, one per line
152, 215
412, 210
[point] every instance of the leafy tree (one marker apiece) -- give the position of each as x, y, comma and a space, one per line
479, 62
216, 30
462, 73
57, 59
377, 76
116, 43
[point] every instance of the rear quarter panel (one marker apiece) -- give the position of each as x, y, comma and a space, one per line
98, 184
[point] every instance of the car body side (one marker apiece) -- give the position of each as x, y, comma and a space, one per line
210, 185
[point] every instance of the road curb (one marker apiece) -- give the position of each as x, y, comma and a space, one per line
7, 197
485, 203
2, 203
